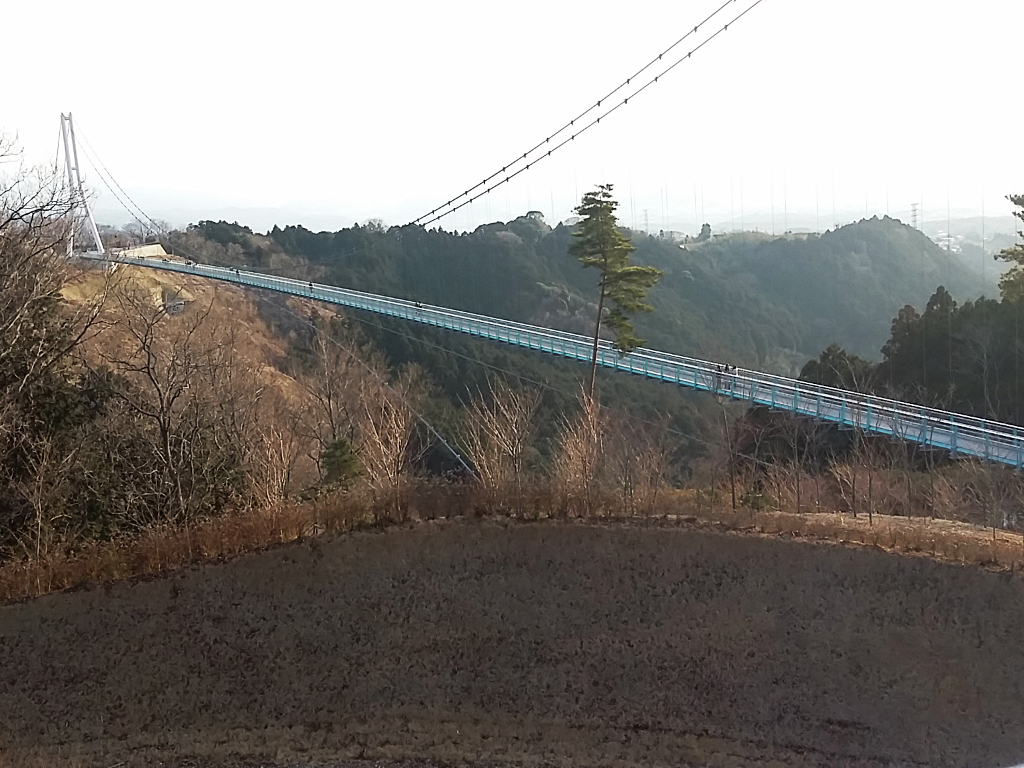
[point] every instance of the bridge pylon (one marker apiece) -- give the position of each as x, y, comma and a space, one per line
67, 132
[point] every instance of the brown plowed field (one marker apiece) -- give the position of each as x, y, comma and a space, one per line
512, 643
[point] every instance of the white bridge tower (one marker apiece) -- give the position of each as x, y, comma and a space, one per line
67, 132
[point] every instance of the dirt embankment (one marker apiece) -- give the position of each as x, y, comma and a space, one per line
574, 644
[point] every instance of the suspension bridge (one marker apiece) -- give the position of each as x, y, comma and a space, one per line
959, 434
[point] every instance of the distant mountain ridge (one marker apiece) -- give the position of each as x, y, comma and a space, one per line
747, 298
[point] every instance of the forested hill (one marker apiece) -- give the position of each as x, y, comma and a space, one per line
847, 285
749, 298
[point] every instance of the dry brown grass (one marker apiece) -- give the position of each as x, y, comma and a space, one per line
943, 539
167, 548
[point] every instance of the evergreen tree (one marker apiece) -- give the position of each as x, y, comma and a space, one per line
1011, 285
836, 367
623, 288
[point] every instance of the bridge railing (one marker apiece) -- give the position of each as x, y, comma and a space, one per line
954, 432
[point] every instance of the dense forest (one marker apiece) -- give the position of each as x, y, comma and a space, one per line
749, 299
961, 356
124, 409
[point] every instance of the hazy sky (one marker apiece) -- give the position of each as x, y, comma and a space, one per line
329, 113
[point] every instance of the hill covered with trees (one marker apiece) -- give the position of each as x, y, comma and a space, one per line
959, 355
748, 298
863, 293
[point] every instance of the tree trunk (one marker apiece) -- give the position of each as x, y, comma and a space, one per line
797, 467
597, 337
732, 468
871, 505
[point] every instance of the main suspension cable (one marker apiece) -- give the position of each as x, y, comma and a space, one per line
511, 170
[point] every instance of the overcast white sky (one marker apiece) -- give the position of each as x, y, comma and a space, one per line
328, 113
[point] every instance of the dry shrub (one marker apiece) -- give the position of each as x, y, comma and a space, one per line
705, 475
946, 539
978, 493
339, 510
156, 550
433, 498
166, 547
607, 462
637, 459
383, 436
856, 487
579, 460
496, 433
794, 488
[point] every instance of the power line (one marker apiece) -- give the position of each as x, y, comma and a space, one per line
580, 116
440, 212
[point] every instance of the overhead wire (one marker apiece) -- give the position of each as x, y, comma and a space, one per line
584, 113
440, 212
97, 163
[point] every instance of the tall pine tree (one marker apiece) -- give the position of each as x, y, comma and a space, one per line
1011, 284
623, 288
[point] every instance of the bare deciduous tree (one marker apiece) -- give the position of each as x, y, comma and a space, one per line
384, 432
333, 384
184, 392
37, 329
39, 332
579, 461
637, 462
496, 433
44, 488
274, 450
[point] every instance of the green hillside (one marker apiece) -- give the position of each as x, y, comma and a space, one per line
847, 285
748, 298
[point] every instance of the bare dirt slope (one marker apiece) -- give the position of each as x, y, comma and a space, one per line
556, 643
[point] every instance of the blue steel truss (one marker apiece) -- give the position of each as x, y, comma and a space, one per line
953, 432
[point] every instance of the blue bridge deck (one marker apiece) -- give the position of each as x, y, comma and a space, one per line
954, 432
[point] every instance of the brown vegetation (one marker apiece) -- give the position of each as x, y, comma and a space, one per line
148, 424
165, 548
564, 642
